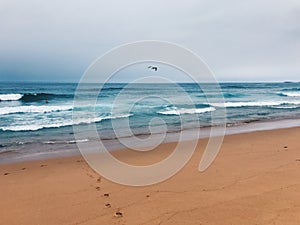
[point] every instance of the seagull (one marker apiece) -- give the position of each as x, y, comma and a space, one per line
153, 68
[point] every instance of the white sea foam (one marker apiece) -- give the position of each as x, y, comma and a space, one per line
62, 123
78, 141
285, 107
290, 94
49, 142
253, 104
66, 142
175, 111
10, 97
34, 109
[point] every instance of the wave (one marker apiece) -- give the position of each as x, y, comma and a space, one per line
233, 95
10, 97
34, 109
289, 94
285, 107
42, 97
237, 86
180, 111
32, 97
291, 89
254, 104
113, 88
65, 123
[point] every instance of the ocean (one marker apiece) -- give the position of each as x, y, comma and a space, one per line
36, 118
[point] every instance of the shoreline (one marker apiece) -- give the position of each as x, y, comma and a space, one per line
254, 180
170, 138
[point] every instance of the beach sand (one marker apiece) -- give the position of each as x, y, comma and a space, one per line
255, 180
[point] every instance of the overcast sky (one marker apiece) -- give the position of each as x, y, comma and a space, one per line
257, 40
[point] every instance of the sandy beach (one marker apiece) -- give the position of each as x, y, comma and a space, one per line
255, 180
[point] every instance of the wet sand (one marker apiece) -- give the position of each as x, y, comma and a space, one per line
254, 180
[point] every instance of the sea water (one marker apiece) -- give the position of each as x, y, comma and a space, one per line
36, 118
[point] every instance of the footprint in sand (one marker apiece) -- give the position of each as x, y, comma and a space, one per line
24, 168
106, 195
43, 165
5, 174
118, 214
99, 179
90, 175
107, 205
98, 188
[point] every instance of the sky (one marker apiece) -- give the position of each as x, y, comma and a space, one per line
56, 41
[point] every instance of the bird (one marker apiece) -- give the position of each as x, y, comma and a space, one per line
153, 68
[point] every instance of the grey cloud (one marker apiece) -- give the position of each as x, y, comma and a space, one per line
238, 39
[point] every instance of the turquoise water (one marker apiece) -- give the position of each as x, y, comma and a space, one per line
36, 118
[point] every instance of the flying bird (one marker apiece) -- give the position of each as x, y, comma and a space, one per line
153, 68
